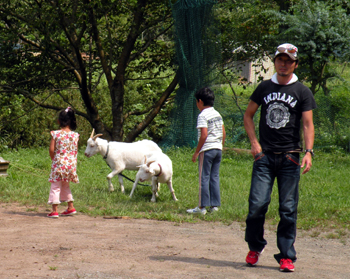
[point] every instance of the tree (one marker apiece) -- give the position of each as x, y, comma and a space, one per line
53, 49
321, 30
246, 31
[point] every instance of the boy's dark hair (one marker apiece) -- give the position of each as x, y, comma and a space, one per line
206, 95
66, 117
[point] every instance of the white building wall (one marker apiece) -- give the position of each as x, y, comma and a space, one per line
251, 71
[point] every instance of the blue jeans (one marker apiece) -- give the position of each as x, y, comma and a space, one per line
286, 168
209, 180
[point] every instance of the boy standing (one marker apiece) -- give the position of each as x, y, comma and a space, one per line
211, 139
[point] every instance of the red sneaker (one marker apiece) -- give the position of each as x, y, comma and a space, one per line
69, 212
253, 257
53, 215
286, 265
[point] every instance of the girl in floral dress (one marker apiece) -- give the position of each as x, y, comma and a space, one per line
63, 152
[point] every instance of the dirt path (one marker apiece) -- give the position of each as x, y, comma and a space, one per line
33, 246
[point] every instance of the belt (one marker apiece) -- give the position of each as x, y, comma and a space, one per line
281, 152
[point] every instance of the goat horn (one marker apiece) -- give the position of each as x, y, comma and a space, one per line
145, 159
92, 134
149, 163
95, 137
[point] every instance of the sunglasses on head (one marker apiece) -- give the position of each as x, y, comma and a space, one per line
290, 49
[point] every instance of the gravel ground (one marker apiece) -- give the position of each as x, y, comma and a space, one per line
34, 246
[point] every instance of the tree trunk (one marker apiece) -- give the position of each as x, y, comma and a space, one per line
137, 130
117, 88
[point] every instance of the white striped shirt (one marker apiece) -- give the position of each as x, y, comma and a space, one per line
209, 118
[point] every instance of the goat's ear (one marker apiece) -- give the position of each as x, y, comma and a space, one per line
139, 166
95, 137
149, 163
92, 134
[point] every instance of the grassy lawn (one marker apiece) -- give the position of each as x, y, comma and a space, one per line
324, 201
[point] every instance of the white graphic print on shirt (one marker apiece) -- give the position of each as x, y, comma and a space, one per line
277, 115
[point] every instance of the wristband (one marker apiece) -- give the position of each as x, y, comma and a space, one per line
311, 152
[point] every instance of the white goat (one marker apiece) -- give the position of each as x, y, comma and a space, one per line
158, 168
119, 155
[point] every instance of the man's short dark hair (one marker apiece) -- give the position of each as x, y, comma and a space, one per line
206, 95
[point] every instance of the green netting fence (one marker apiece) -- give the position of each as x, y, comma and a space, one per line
197, 52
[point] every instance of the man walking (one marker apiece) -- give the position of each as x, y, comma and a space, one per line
284, 102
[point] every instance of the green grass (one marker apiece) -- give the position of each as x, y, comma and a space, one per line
324, 199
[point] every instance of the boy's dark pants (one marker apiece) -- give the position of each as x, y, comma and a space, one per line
209, 181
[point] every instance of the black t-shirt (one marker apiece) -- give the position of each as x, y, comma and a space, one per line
281, 111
